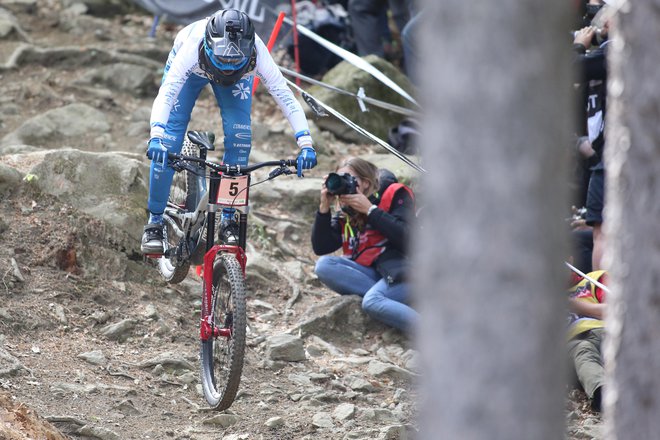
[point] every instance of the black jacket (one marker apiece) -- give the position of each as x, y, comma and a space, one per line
392, 263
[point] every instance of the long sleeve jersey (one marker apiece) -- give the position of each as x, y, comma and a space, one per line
183, 61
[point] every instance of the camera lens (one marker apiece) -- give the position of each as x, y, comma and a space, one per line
334, 183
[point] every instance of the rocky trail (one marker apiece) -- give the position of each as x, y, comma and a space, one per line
93, 344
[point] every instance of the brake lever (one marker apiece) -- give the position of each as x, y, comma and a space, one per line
177, 165
276, 172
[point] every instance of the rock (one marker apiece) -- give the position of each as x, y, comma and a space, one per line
258, 265
336, 317
94, 357
150, 312
109, 186
301, 194
404, 173
17, 149
104, 8
300, 379
122, 77
9, 365
119, 331
393, 432
285, 347
6, 24
379, 369
317, 347
223, 420
127, 408
361, 384
343, 412
25, 6
322, 420
98, 432
294, 269
55, 125
236, 437
168, 360
274, 422
59, 388
60, 315
348, 77
10, 179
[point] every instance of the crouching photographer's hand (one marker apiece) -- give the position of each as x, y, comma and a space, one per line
359, 202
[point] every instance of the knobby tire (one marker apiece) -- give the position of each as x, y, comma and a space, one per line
183, 193
222, 357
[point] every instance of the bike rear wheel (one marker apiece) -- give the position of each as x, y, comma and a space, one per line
222, 355
183, 193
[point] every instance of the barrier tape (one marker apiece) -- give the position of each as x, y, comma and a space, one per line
316, 102
587, 277
353, 59
372, 101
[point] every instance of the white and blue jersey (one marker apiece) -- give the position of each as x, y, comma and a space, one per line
183, 81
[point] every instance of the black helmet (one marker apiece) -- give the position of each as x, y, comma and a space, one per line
227, 51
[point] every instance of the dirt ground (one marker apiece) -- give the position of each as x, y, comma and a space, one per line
65, 276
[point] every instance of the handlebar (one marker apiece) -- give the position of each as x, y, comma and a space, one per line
232, 169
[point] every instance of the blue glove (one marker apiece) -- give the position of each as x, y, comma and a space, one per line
157, 151
306, 160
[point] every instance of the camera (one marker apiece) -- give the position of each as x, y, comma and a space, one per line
233, 27
343, 183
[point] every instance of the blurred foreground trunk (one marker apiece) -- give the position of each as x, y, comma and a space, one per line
496, 84
632, 212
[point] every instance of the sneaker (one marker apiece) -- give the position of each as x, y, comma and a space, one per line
229, 233
152, 239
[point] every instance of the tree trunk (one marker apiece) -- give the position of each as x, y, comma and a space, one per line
632, 210
496, 78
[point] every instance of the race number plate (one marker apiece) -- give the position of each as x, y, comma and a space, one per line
233, 191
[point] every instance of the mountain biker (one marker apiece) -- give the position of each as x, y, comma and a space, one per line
224, 51
371, 229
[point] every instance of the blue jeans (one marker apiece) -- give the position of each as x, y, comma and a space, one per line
381, 301
235, 103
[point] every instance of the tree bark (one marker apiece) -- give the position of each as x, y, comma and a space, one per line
632, 210
496, 81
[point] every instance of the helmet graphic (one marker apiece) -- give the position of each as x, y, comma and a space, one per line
227, 51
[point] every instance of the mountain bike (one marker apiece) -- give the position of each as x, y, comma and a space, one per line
189, 236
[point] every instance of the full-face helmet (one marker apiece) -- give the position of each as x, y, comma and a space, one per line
227, 51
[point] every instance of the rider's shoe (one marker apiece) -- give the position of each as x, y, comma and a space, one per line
229, 232
152, 239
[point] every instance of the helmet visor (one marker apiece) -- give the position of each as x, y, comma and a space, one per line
226, 64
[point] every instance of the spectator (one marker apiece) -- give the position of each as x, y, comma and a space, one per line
585, 335
367, 25
410, 49
371, 228
592, 65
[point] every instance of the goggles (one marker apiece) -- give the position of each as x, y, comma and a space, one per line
226, 64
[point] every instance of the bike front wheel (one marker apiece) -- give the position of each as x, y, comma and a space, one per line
223, 352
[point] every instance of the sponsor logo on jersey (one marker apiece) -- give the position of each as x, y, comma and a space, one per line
241, 91
241, 126
243, 135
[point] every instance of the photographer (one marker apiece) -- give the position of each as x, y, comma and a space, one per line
371, 227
